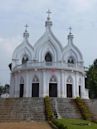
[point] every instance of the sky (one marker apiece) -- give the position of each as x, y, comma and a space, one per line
81, 15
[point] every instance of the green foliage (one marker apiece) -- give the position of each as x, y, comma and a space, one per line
4, 89
91, 82
77, 124
86, 114
48, 109
59, 125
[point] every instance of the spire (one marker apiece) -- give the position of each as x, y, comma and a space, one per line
26, 34
70, 36
48, 23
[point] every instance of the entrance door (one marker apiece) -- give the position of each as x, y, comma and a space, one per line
79, 91
69, 90
21, 90
35, 89
53, 89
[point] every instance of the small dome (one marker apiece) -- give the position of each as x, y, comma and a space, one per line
24, 49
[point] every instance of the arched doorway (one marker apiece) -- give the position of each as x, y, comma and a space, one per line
21, 87
69, 87
80, 83
35, 87
53, 87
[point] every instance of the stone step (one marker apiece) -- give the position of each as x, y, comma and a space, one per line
66, 108
19, 109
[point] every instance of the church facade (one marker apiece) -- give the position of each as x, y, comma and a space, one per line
47, 68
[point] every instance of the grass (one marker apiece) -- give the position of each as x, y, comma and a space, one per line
78, 124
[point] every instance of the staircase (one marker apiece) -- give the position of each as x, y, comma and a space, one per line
65, 108
19, 109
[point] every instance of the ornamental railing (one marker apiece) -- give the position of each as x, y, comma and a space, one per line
49, 65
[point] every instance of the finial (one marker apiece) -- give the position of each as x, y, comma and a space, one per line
26, 26
48, 12
70, 29
70, 36
48, 23
26, 34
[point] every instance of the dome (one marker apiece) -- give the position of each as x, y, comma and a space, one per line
71, 53
23, 52
48, 43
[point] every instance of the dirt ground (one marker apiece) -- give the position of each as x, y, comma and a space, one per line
24, 125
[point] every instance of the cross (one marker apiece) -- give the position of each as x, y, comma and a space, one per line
26, 26
48, 12
70, 29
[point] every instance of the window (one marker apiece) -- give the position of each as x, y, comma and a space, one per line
48, 57
24, 59
71, 60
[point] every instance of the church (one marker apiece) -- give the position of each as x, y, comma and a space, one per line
47, 68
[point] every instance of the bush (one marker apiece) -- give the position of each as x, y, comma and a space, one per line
86, 114
48, 109
59, 125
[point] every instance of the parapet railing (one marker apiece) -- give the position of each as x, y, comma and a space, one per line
49, 65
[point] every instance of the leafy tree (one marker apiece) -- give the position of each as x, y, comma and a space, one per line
91, 82
4, 89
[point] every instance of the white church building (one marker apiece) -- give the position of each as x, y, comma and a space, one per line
47, 68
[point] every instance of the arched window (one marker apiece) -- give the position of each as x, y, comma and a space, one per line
71, 60
48, 57
24, 59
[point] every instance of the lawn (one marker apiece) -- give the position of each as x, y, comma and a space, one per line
78, 124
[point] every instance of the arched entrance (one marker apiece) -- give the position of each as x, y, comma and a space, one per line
35, 87
69, 87
80, 83
53, 87
21, 87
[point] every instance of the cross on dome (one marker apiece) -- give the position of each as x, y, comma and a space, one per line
48, 23
26, 26
48, 12
70, 29
26, 34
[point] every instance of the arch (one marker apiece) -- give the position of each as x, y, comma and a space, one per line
35, 87
48, 57
53, 79
21, 80
21, 87
69, 80
53, 87
35, 79
69, 86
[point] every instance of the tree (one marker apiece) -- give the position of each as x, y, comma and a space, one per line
91, 82
1, 90
4, 89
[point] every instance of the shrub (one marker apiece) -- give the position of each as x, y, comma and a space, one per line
86, 114
48, 109
59, 125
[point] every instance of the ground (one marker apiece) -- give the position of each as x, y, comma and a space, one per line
24, 125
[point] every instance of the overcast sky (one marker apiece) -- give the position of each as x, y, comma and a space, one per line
81, 15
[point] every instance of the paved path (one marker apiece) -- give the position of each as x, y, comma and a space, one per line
24, 125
